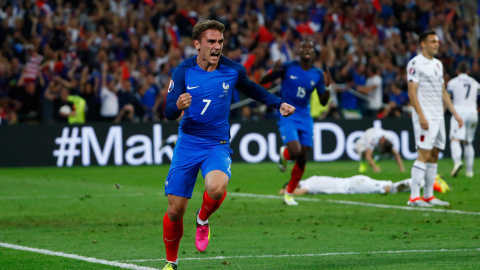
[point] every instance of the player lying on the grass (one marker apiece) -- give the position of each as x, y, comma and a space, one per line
375, 141
358, 184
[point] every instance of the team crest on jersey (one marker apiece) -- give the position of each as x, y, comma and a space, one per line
412, 71
312, 82
422, 138
170, 86
226, 86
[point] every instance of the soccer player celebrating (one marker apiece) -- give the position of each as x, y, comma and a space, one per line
427, 93
299, 79
464, 90
201, 87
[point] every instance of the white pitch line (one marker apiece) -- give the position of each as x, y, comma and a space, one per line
77, 257
406, 207
358, 203
265, 196
317, 255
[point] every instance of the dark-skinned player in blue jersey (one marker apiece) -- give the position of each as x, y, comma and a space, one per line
299, 79
202, 87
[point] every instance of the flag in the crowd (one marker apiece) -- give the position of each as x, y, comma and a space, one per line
44, 6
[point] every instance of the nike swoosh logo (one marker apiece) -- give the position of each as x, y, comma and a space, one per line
293, 77
168, 240
193, 87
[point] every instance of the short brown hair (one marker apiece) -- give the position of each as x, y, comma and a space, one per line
462, 67
203, 26
424, 35
387, 147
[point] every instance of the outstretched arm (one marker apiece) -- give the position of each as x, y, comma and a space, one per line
259, 93
324, 95
273, 74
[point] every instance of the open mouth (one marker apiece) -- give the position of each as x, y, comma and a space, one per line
215, 54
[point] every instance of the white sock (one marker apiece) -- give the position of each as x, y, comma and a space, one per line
418, 174
430, 175
469, 156
201, 222
456, 150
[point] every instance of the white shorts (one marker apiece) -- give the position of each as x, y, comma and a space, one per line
467, 132
435, 136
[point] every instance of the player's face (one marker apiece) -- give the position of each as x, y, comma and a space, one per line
431, 45
210, 46
382, 141
307, 51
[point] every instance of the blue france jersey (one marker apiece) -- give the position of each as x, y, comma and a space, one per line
207, 116
298, 85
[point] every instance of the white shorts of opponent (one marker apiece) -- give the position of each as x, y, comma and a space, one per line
467, 132
435, 136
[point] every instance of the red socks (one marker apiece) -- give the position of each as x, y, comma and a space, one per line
297, 173
172, 233
209, 205
286, 154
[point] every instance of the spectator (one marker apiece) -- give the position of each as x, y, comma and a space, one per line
144, 35
373, 90
108, 95
397, 101
79, 104
128, 104
150, 98
62, 107
90, 96
52, 92
25, 98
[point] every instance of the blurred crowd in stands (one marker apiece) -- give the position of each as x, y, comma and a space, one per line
111, 60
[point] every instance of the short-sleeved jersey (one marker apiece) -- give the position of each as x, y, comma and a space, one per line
371, 138
428, 73
207, 116
464, 91
298, 85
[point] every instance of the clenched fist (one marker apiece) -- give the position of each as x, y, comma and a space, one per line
184, 101
286, 109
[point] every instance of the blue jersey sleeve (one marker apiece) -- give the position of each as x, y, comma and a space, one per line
321, 82
254, 90
175, 89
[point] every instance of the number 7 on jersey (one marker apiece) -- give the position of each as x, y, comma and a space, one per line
206, 105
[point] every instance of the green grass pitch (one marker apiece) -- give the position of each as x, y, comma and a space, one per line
79, 211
